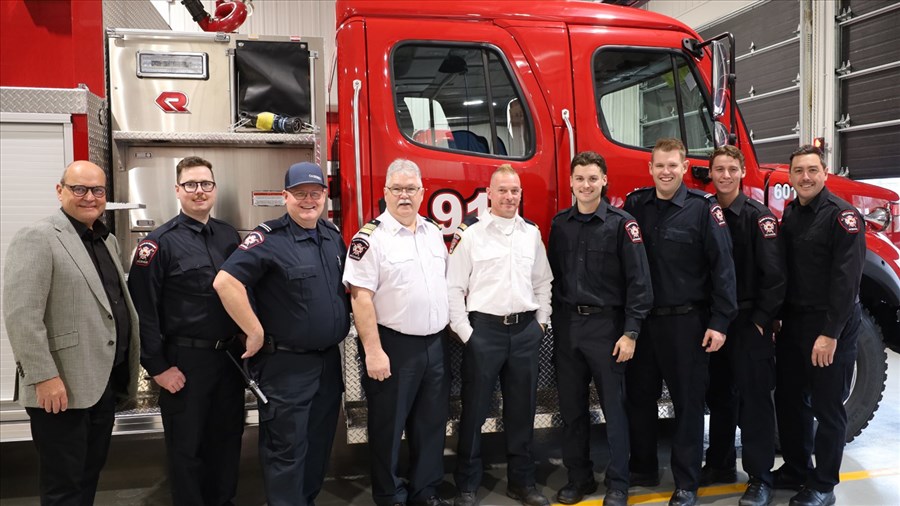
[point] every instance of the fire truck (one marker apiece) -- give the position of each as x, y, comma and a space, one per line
458, 88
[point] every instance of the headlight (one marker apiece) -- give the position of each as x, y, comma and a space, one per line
879, 219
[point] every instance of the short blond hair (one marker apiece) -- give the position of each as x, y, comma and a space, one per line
669, 144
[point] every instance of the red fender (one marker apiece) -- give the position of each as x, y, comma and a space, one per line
227, 18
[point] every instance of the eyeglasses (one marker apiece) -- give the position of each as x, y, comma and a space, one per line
80, 190
409, 190
301, 195
191, 186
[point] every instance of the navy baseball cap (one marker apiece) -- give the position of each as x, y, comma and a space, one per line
302, 173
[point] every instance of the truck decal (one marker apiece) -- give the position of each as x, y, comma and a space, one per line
448, 207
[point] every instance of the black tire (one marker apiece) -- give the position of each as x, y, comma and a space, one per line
869, 377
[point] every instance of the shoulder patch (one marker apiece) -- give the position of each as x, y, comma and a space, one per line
634, 231
849, 221
456, 238
253, 239
145, 252
768, 226
367, 229
718, 215
358, 248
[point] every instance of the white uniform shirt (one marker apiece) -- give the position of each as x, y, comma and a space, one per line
499, 274
406, 271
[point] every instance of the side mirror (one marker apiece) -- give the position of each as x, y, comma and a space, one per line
701, 174
720, 78
722, 135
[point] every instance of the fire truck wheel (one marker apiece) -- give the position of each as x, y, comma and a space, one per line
869, 377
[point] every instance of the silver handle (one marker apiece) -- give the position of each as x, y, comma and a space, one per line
357, 85
565, 117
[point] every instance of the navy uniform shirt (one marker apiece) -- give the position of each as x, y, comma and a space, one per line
296, 281
758, 258
171, 281
599, 260
689, 250
826, 246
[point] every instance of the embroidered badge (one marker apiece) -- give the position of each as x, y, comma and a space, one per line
252, 240
768, 226
718, 215
454, 242
634, 231
358, 248
849, 221
145, 252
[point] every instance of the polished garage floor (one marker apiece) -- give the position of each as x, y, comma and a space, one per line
135, 473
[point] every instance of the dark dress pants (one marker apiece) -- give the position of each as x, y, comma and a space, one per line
510, 353
803, 391
415, 398
584, 347
670, 348
297, 426
203, 425
72, 446
742, 377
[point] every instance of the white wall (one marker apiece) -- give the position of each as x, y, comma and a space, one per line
697, 13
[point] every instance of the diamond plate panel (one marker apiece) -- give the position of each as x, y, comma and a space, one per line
44, 100
140, 14
98, 141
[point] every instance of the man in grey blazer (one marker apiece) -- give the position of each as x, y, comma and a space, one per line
74, 334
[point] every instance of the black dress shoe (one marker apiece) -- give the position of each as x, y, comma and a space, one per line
431, 501
573, 492
757, 494
465, 499
785, 480
642, 480
615, 498
710, 475
683, 497
529, 496
810, 497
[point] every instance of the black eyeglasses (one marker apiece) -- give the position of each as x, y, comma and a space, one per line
191, 186
80, 190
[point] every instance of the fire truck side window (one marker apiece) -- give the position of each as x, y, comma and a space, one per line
460, 98
645, 95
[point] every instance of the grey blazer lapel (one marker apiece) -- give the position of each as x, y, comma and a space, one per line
75, 247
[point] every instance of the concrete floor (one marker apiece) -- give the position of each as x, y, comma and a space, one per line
135, 473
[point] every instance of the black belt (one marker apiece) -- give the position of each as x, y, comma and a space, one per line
800, 308
202, 344
674, 310
747, 304
269, 347
590, 310
510, 319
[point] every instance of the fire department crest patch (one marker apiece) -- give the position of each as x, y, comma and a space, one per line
634, 231
358, 248
768, 226
454, 242
252, 240
718, 215
145, 252
849, 221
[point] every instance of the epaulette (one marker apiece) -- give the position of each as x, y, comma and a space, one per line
759, 206
434, 222
369, 227
701, 193
161, 231
638, 190
330, 224
468, 221
271, 225
561, 214
531, 223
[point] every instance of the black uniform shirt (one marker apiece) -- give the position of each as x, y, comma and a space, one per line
94, 241
599, 260
689, 251
171, 285
826, 246
758, 258
296, 282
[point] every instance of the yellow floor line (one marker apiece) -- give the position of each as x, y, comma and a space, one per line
738, 488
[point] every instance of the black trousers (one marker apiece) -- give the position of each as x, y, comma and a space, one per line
742, 377
72, 446
416, 399
510, 353
203, 425
803, 391
584, 347
297, 426
670, 349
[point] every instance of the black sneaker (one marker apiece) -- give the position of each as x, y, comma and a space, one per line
615, 498
757, 494
573, 492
